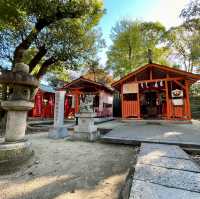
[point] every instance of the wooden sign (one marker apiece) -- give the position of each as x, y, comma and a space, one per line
130, 88
177, 93
177, 102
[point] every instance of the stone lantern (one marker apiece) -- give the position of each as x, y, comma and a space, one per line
15, 149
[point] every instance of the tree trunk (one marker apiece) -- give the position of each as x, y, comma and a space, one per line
26, 43
41, 53
45, 67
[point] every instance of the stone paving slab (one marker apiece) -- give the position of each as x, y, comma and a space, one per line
147, 190
168, 177
165, 172
159, 150
169, 163
134, 132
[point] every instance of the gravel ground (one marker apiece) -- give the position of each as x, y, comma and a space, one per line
63, 169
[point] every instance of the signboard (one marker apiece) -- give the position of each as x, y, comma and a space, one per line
130, 88
177, 102
177, 93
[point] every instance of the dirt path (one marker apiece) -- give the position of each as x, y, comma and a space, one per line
62, 169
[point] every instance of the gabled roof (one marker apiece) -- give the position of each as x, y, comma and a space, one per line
81, 81
192, 76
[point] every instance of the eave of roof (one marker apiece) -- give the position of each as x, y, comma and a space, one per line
67, 86
163, 67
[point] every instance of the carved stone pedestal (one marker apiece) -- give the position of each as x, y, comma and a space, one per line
85, 130
16, 119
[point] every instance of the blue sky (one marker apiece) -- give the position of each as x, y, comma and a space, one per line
165, 11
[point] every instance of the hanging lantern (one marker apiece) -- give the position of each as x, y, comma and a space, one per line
142, 85
147, 85
156, 84
161, 83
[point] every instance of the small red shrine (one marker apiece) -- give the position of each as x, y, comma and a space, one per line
156, 92
44, 102
103, 97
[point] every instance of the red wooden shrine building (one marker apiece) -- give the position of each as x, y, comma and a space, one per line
44, 102
156, 91
45, 99
103, 97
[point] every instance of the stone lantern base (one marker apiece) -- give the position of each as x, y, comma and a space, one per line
13, 155
15, 149
85, 130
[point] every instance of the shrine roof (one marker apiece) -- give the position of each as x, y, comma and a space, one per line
83, 83
193, 77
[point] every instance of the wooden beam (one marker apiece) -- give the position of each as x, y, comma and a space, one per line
178, 83
162, 67
163, 79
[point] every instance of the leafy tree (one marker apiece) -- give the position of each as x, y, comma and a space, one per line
98, 74
185, 39
57, 76
131, 41
191, 14
51, 32
185, 46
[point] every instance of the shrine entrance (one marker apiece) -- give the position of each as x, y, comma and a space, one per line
152, 100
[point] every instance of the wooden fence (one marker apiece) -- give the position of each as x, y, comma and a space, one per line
195, 107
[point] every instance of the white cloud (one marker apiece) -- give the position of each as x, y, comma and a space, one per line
167, 12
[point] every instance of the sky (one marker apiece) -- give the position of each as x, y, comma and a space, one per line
165, 11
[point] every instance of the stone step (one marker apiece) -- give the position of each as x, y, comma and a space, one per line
165, 171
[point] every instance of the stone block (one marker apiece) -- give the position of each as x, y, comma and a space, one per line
58, 132
147, 190
168, 177
170, 163
164, 150
13, 155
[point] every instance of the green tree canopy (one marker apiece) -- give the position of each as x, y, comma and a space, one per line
185, 45
50, 32
131, 41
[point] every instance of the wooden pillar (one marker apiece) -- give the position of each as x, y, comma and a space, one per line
167, 99
187, 105
122, 101
76, 102
151, 74
138, 102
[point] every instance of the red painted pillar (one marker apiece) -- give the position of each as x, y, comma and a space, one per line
188, 109
122, 101
76, 103
167, 100
138, 102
